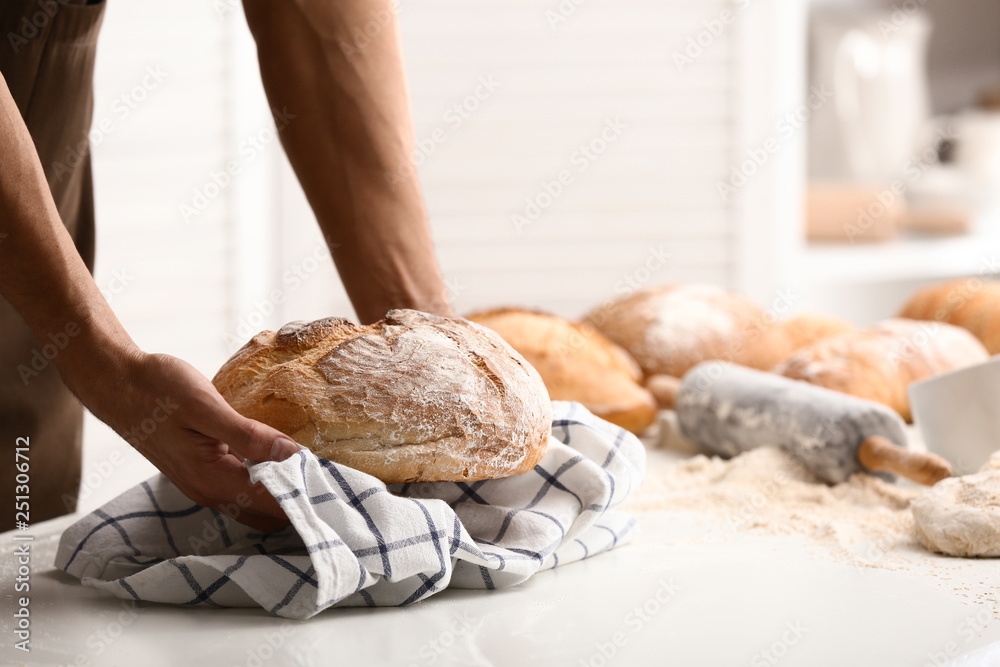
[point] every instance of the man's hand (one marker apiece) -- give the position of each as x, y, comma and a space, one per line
174, 416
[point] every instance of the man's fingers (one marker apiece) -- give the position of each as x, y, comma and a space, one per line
254, 505
251, 439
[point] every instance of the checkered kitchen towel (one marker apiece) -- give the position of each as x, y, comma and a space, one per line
355, 542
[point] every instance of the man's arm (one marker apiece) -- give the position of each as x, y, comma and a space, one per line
200, 440
350, 143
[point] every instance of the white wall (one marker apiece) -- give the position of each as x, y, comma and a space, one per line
564, 70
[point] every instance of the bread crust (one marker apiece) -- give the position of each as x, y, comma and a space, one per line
879, 363
807, 328
971, 303
414, 397
577, 363
670, 328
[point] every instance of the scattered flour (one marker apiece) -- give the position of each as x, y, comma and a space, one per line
766, 490
864, 521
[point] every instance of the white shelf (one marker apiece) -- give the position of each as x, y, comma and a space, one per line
908, 258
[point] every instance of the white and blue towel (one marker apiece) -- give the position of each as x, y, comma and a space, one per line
356, 542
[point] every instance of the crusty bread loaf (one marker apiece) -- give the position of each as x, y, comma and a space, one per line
412, 398
670, 328
879, 363
807, 328
577, 363
971, 303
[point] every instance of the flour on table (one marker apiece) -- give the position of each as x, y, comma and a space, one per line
766, 490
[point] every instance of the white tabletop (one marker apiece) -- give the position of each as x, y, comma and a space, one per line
684, 592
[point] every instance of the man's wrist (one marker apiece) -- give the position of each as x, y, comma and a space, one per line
96, 359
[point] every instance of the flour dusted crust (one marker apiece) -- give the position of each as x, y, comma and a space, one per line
670, 328
879, 363
412, 398
960, 516
577, 363
971, 303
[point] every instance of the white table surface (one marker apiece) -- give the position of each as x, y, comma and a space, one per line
712, 596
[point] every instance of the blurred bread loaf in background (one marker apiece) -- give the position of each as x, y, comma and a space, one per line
577, 363
880, 362
971, 303
670, 328
807, 328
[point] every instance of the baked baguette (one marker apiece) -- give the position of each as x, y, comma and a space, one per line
670, 328
971, 303
879, 363
412, 398
578, 364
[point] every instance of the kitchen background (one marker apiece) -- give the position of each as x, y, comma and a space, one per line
682, 123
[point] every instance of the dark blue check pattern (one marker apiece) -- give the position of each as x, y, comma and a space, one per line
356, 542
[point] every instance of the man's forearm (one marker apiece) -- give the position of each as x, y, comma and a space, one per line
351, 132
41, 273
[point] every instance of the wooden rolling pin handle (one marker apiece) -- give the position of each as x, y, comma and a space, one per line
664, 389
878, 454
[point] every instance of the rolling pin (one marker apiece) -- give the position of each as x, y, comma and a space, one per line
725, 409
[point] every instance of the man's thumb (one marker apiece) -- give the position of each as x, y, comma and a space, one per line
259, 442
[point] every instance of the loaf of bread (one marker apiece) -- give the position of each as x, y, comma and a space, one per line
807, 328
971, 303
578, 364
879, 363
412, 398
670, 328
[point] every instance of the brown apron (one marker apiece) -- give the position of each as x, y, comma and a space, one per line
47, 50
